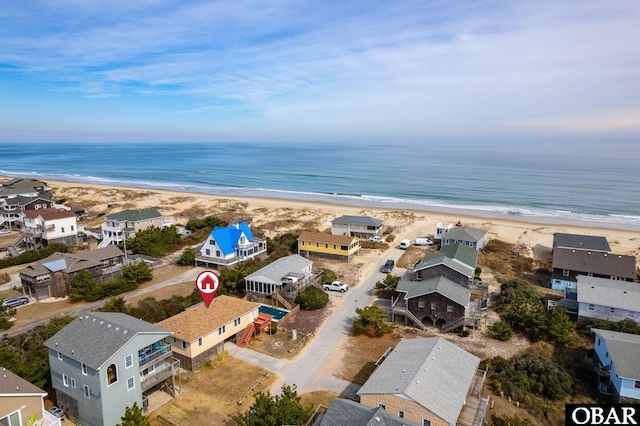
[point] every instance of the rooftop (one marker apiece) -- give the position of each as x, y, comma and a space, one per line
623, 349
580, 242
322, 237
595, 262
465, 233
277, 269
134, 215
606, 292
358, 220
441, 285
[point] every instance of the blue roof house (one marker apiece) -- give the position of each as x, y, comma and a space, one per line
230, 245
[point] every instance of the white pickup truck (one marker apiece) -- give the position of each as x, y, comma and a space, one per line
377, 239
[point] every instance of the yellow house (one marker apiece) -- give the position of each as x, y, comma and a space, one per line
328, 245
199, 332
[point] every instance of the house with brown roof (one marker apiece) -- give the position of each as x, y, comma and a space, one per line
319, 244
21, 401
22, 183
50, 277
569, 263
199, 332
46, 226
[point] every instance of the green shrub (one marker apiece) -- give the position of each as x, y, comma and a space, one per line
500, 331
207, 222
390, 282
312, 298
372, 320
33, 255
188, 257
328, 276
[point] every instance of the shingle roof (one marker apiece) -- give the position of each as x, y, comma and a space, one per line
17, 191
23, 181
23, 201
358, 220
431, 371
580, 242
199, 320
623, 349
103, 253
606, 292
343, 412
324, 238
273, 272
595, 262
94, 337
49, 214
444, 286
227, 238
458, 257
465, 233
134, 215
13, 385
73, 262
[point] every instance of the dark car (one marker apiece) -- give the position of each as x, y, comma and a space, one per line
388, 267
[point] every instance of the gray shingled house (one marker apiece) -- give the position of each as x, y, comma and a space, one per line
456, 262
357, 226
616, 364
287, 275
103, 362
346, 412
465, 235
608, 300
430, 382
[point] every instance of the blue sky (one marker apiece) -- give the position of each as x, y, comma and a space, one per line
309, 71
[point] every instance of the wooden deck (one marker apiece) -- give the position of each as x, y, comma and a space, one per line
476, 409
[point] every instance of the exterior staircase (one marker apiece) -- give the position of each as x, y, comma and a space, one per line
459, 322
104, 243
282, 300
244, 338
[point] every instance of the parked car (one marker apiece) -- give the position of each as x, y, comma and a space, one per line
377, 239
12, 302
336, 286
423, 242
404, 244
388, 266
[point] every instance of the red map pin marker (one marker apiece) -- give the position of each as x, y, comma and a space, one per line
208, 283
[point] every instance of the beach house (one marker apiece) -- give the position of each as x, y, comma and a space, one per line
342, 412
103, 362
568, 263
229, 245
357, 226
12, 209
435, 302
119, 226
608, 300
22, 183
199, 332
340, 247
50, 277
563, 240
465, 235
429, 381
616, 365
441, 229
287, 276
456, 262
21, 402
50, 225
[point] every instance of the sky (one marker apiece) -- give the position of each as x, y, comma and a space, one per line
311, 71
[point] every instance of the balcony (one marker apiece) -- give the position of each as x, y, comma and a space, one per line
154, 353
150, 380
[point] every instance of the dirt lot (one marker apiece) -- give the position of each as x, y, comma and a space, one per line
210, 396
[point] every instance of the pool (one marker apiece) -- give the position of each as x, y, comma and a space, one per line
277, 313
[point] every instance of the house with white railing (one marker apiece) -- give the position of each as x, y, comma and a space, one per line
229, 245
46, 226
103, 362
119, 226
22, 402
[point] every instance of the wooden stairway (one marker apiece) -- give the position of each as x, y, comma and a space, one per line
244, 338
452, 325
280, 298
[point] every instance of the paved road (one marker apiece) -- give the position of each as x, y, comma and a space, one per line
189, 275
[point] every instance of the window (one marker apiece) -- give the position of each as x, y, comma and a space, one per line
222, 330
87, 393
420, 303
175, 340
73, 383
426, 422
326, 246
72, 227
565, 272
598, 341
433, 305
200, 341
208, 252
382, 406
128, 361
12, 419
112, 374
184, 345
631, 314
217, 253
612, 310
84, 369
335, 247
131, 383
303, 243
401, 414
212, 242
636, 384
344, 248
65, 380
591, 307
317, 244
62, 229
237, 321
449, 308
60, 355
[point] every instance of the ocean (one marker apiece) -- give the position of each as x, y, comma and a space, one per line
582, 184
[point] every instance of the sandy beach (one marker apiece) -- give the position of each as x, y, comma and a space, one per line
273, 217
